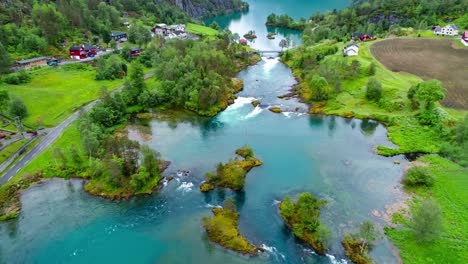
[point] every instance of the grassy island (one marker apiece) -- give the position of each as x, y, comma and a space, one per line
222, 229
303, 218
275, 110
232, 174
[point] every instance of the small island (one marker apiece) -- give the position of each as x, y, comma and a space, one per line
303, 218
232, 174
122, 174
255, 103
250, 35
222, 229
275, 110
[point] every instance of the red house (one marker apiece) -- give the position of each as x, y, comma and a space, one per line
135, 52
362, 36
82, 52
464, 38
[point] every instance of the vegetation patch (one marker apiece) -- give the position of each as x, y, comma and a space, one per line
201, 30
303, 218
9, 150
54, 94
358, 245
222, 229
436, 230
232, 174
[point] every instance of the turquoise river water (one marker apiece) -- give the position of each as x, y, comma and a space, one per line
333, 158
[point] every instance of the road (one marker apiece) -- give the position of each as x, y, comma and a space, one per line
48, 139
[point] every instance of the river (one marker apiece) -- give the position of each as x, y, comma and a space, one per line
331, 157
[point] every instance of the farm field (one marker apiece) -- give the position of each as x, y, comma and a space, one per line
55, 93
429, 59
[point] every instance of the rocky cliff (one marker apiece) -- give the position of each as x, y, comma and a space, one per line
204, 8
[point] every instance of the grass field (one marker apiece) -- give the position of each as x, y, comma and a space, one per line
10, 149
70, 137
200, 30
55, 93
429, 59
449, 191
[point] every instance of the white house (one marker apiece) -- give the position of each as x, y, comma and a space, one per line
448, 30
464, 38
351, 50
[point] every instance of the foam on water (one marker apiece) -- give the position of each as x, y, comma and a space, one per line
273, 251
254, 112
335, 261
213, 206
185, 187
239, 102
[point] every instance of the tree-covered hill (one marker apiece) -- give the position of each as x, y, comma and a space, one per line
35, 28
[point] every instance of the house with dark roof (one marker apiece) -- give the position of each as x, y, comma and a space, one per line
31, 63
82, 52
119, 36
362, 36
135, 52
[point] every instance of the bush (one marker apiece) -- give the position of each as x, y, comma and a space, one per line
418, 176
374, 89
372, 69
18, 78
427, 221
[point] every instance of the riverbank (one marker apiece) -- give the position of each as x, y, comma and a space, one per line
406, 131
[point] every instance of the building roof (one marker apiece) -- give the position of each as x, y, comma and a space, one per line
352, 45
88, 47
453, 26
32, 60
118, 33
75, 48
360, 35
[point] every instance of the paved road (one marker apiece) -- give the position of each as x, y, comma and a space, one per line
48, 140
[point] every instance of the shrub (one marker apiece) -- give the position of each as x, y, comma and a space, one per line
372, 69
374, 89
18, 78
427, 221
418, 176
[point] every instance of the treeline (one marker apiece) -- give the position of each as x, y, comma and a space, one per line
196, 75
378, 17
285, 21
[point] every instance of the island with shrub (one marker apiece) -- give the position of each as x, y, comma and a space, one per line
303, 218
222, 229
232, 174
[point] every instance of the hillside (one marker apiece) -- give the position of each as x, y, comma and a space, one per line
31, 29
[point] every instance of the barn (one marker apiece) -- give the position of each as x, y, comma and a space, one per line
31, 63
